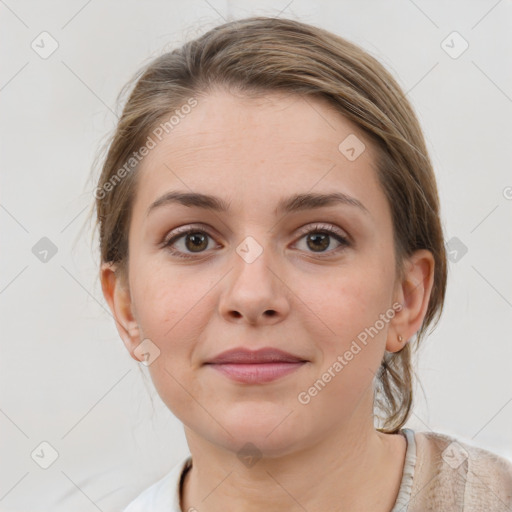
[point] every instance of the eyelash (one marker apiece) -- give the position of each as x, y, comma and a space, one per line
317, 228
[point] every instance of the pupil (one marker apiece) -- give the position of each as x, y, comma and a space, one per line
322, 237
198, 240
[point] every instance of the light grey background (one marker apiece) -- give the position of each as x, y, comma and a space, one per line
66, 377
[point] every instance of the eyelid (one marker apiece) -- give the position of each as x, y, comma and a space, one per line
185, 229
302, 231
322, 226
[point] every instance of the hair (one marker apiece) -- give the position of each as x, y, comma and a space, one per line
264, 55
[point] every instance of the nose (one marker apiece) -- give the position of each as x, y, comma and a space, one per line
255, 293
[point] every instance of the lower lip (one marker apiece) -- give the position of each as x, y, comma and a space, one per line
256, 373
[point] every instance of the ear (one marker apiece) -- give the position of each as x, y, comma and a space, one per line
414, 294
117, 295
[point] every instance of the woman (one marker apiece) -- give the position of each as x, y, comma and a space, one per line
271, 248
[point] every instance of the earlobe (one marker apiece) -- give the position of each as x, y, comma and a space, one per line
397, 344
118, 298
414, 295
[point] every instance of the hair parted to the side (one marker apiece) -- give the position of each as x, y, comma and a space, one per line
260, 55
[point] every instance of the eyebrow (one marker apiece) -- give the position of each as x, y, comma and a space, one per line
297, 202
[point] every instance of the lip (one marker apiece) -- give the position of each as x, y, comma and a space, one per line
255, 366
242, 355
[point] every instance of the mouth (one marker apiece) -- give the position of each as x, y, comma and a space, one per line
255, 367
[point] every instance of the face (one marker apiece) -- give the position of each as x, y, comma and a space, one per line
307, 279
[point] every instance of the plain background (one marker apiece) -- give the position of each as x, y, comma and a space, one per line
66, 377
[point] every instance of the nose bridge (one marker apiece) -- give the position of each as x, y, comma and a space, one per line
253, 262
255, 293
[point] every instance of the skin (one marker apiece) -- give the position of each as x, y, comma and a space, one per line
325, 455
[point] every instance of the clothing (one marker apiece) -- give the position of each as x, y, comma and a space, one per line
440, 474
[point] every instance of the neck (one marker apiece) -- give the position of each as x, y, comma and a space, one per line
348, 469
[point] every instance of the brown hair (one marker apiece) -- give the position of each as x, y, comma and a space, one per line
260, 55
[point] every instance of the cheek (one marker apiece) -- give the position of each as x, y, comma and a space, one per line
173, 306
167, 298
349, 344
347, 307
173, 313
346, 300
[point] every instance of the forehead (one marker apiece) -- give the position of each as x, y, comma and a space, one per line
258, 149
228, 124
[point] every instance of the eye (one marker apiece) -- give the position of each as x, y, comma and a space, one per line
318, 239
188, 241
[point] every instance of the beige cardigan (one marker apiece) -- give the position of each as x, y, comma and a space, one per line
452, 476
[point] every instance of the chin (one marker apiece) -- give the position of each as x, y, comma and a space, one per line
269, 427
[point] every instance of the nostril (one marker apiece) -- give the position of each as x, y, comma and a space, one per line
270, 312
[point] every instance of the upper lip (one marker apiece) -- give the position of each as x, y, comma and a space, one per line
242, 355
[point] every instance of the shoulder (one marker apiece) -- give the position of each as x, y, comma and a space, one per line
163, 495
452, 472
